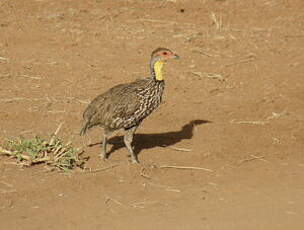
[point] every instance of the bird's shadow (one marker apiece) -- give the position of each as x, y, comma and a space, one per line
147, 141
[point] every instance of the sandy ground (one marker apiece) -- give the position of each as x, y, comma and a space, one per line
235, 101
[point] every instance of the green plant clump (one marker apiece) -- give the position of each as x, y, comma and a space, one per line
54, 153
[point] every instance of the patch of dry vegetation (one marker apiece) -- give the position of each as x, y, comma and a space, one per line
54, 153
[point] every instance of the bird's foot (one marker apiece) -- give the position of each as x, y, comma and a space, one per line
103, 156
134, 160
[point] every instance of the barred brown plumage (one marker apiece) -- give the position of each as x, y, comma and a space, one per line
126, 105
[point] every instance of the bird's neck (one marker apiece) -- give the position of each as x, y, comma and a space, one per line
157, 70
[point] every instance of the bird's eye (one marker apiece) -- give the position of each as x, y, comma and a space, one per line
165, 53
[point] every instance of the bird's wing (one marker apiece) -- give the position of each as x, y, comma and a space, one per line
124, 108
97, 109
117, 107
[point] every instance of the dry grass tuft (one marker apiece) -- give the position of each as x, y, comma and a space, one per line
53, 153
209, 75
217, 20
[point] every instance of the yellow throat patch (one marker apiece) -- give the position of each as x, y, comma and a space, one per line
158, 70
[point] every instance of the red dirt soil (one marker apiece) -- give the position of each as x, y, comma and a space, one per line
241, 69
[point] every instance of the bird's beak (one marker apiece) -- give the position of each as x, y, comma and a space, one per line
175, 56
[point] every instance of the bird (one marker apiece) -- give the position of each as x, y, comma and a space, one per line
125, 106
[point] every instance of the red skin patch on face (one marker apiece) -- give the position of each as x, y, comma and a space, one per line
166, 54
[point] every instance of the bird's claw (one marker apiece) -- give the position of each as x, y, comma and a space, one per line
103, 156
134, 161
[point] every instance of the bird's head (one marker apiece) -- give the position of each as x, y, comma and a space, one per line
158, 57
163, 54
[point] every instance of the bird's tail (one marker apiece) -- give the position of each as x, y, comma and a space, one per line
84, 129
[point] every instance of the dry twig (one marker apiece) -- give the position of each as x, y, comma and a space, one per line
100, 169
115, 201
249, 122
252, 158
55, 134
142, 173
3, 59
26, 76
209, 75
249, 58
185, 167
178, 149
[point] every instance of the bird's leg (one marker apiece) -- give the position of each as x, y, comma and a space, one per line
128, 138
103, 154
